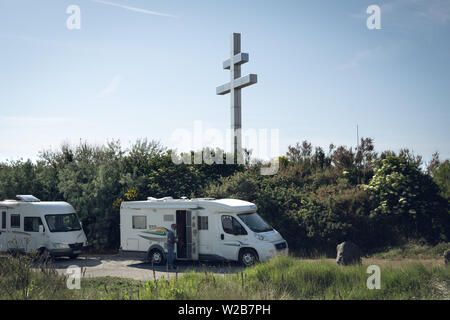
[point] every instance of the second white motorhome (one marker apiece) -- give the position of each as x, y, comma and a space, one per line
50, 228
207, 229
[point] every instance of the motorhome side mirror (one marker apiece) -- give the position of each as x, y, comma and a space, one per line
41, 228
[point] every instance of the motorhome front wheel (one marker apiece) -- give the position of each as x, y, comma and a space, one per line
44, 255
248, 258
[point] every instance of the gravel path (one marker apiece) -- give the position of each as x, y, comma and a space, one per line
118, 266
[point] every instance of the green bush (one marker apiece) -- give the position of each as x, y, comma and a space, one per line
316, 200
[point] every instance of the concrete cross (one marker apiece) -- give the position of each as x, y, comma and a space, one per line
237, 58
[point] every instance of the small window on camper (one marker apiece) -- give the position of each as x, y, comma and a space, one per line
202, 223
31, 224
15, 221
4, 220
169, 217
139, 222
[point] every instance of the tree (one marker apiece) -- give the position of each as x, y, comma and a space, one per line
440, 172
407, 200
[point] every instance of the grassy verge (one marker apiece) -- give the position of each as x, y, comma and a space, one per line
280, 278
414, 251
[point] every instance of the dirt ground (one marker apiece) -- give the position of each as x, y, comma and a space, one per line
118, 266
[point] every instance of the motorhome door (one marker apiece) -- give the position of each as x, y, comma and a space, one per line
187, 233
3, 230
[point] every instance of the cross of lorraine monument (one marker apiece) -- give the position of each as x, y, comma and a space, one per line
237, 58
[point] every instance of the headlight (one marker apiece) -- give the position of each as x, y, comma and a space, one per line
260, 237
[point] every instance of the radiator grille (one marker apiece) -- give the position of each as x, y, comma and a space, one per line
76, 246
281, 245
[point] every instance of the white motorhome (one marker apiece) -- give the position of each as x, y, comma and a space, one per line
207, 229
50, 228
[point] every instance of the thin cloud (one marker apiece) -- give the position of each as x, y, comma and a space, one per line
145, 11
360, 58
436, 11
110, 88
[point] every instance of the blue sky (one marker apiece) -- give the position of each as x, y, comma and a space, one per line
146, 68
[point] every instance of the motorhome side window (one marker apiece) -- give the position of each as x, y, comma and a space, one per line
231, 226
139, 222
31, 224
15, 221
202, 223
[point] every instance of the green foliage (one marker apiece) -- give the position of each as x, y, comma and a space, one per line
289, 278
317, 199
23, 278
415, 250
407, 200
96, 179
441, 176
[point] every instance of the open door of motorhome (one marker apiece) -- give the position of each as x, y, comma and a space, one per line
3, 229
187, 233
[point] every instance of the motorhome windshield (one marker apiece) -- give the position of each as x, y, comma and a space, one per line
63, 222
255, 222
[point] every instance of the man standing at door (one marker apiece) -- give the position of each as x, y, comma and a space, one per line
171, 240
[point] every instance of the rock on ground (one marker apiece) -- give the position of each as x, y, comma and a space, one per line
348, 253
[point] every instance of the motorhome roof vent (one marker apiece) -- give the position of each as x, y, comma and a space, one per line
27, 198
160, 199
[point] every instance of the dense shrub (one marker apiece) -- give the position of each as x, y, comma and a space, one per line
316, 200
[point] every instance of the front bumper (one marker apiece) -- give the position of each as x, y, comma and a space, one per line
270, 250
74, 249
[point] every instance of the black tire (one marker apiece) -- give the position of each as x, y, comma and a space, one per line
156, 257
44, 255
248, 257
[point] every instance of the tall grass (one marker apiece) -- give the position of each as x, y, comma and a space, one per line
323, 279
281, 278
26, 277
414, 250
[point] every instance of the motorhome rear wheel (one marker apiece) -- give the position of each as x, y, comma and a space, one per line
156, 257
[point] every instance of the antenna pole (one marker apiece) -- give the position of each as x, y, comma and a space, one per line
357, 138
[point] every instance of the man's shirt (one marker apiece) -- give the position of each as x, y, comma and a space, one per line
171, 238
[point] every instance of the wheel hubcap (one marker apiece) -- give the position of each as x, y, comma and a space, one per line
156, 257
248, 258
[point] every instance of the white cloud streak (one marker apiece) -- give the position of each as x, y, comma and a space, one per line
110, 88
145, 11
360, 58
